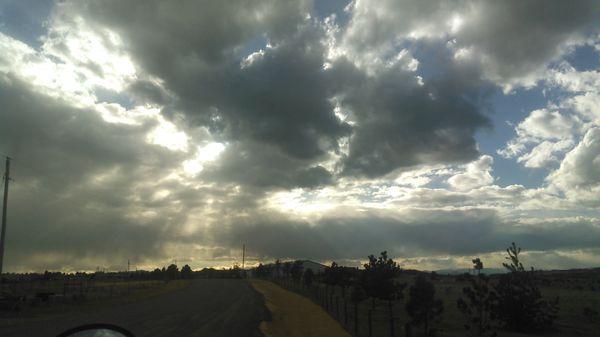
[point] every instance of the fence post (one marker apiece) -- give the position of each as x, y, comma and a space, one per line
391, 306
337, 307
408, 330
345, 312
370, 324
356, 318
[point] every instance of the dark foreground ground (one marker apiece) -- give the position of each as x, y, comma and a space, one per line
211, 308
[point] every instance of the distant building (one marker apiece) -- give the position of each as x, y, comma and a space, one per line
316, 267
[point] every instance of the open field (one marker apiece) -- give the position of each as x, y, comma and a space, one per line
203, 308
576, 291
72, 291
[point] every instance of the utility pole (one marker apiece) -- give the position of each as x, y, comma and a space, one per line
243, 255
4, 206
128, 265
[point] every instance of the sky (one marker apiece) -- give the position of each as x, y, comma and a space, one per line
162, 132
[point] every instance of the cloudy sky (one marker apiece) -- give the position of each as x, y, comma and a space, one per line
158, 131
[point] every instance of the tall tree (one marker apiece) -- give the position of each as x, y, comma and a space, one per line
424, 309
379, 279
186, 272
296, 270
172, 272
519, 304
261, 271
477, 303
309, 277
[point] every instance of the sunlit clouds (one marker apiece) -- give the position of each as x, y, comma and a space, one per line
435, 130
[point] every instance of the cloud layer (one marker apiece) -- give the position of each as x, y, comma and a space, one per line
152, 131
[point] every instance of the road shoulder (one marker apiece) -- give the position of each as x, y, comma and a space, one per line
294, 315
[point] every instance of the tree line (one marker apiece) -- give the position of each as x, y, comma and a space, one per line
511, 301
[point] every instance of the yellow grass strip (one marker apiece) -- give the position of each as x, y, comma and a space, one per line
294, 315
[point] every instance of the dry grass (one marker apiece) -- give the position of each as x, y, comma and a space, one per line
294, 315
44, 311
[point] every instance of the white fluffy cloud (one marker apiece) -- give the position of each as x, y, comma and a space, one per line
513, 41
579, 173
477, 174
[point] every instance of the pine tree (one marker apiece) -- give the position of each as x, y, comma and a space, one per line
424, 309
519, 304
477, 303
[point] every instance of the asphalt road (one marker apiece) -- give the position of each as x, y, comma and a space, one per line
211, 308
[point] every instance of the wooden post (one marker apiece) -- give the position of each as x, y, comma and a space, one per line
345, 312
408, 330
370, 324
391, 307
356, 318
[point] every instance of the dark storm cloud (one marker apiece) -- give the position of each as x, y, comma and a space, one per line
147, 91
403, 123
74, 194
417, 233
522, 36
262, 166
281, 95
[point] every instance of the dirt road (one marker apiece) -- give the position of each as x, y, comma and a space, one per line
211, 308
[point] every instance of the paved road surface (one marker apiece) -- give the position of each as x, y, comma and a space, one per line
211, 308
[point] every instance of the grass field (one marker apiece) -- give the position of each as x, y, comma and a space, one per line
120, 292
575, 295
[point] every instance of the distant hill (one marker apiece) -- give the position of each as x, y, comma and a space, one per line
490, 271
459, 271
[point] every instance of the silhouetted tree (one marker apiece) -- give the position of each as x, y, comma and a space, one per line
379, 279
186, 272
357, 293
277, 268
235, 272
296, 270
287, 267
477, 303
422, 306
172, 272
261, 271
519, 304
336, 275
309, 277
